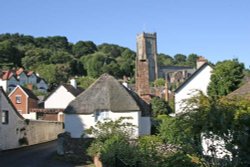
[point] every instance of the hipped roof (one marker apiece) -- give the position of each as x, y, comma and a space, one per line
107, 94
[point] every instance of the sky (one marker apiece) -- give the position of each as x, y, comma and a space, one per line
216, 29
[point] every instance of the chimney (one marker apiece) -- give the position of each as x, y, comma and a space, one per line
30, 86
166, 90
73, 82
200, 61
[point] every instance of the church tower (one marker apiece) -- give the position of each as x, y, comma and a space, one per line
146, 62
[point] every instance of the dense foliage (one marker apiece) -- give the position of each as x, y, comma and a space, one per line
114, 147
56, 59
223, 119
226, 77
65, 59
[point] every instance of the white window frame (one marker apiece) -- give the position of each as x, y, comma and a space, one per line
18, 99
5, 117
101, 115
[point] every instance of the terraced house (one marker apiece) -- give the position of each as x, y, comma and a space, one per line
9, 79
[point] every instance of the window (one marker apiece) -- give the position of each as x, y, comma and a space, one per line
18, 99
5, 117
101, 115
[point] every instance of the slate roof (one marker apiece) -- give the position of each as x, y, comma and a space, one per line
29, 93
191, 77
243, 91
106, 93
74, 91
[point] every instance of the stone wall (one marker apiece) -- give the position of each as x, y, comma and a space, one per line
41, 131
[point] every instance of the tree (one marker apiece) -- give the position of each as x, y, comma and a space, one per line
82, 48
180, 59
159, 82
9, 55
85, 82
226, 77
35, 57
163, 59
191, 60
61, 57
159, 107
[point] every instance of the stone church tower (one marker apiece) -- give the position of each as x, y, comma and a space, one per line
146, 62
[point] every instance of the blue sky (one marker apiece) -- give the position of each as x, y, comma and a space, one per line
215, 29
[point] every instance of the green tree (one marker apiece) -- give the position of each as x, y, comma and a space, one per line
9, 55
163, 59
191, 60
82, 48
35, 57
226, 77
159, 107
85, 82
61, 57
159, 82
180, 59
54, 74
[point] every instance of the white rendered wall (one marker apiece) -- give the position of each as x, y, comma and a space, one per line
199, 83
31, 115
59, 99
76, 123
9, 133
3, 83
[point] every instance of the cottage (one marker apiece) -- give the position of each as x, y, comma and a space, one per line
106, 99
15, 131
55, 100
10, 121
24, 100
198, 81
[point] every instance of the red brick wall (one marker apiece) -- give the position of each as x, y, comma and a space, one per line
19, 106
32, 103
142, 78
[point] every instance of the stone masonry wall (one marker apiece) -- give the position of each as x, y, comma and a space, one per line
35, 132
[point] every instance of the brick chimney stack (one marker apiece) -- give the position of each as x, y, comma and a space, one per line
146, 62
200, 61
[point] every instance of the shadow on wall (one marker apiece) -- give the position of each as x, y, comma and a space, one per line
74, 147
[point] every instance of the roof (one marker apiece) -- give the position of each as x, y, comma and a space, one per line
19, 71
11, 104
243, 91
106, 93
28, 92
74, 91
7, 75
191, 77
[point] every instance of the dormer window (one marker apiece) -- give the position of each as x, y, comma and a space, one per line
18, 99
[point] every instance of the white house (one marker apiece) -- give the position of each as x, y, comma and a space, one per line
198, 81
15, 131
62, 96
11, 123
106, 99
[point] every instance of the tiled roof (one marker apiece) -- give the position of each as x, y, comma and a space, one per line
29, 93
7, 75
